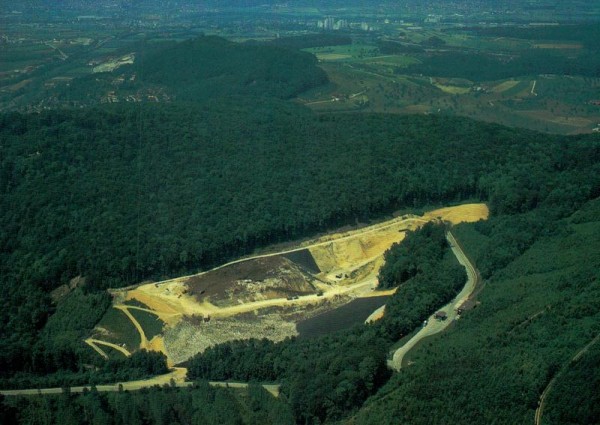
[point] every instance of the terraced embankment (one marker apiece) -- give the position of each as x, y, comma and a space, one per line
347, 265
266, 295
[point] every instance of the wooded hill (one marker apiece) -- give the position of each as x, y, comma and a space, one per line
122, 193
199, 69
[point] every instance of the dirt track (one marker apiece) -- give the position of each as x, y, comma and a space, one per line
94, 344
337, 253
435, 326
177, 375
143, 339
348, 262
542, 402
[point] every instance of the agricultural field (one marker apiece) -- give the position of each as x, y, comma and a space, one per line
364, 78
273, 295
401, 72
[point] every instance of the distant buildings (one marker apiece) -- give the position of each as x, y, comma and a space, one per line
330, 24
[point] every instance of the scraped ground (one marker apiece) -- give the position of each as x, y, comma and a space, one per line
265, 296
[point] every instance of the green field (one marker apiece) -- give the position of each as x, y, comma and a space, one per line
149, 322
119, 330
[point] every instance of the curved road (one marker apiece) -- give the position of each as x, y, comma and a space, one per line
542, 402
178, 374
435, 326
94, 344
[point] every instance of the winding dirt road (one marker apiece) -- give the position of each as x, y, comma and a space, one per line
435, 326
542, 402
143, 339
94, 344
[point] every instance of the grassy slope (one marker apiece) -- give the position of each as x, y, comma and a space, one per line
493, 365
120, 329
151, 324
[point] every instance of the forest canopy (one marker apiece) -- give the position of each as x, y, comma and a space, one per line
116, 194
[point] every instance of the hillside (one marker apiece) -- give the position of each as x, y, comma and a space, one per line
534, 316
200, 69
128, 204
124, 193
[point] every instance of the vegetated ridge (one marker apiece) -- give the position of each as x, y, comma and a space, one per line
121, 193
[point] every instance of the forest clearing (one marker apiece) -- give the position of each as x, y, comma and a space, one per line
266, 295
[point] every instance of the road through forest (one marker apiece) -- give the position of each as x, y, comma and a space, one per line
176, 377
542, 402
435, 326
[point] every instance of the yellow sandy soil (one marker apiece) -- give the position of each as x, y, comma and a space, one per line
376, 315
466, 213
557, 46
453, 89
506, 85
349, 262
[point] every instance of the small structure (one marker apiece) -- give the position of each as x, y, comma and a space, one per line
440, 315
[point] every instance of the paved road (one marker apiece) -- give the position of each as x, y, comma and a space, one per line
177, 376
435, 326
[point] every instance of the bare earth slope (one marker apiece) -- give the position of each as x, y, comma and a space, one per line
264, 296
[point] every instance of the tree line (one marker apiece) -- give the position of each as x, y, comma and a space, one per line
326, 378
167, 405
123, 193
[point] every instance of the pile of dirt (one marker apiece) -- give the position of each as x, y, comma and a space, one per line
62, 291
253, 280
190, 336
466, 213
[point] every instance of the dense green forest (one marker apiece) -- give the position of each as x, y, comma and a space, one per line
209, 67
201, 404
411, 257
574, 397
204, 68
536, 313
122, 193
